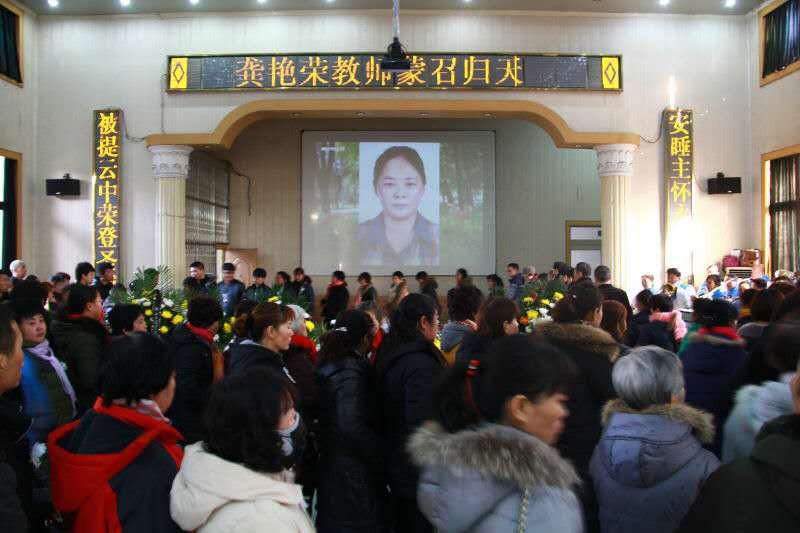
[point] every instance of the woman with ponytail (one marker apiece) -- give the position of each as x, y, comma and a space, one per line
352, 491
487, 459
575, 330
407, 365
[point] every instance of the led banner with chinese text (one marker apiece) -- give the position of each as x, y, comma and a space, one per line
679, 173
106, 186
363, 71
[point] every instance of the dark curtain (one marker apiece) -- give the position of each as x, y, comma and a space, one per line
784, 210
9, 213
9, 54
782, 37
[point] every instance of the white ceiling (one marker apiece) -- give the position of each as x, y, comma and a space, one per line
105, 7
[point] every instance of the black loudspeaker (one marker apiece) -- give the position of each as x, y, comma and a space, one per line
723, 185
64, 187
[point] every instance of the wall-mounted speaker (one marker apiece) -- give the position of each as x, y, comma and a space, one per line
724, 185
66, 186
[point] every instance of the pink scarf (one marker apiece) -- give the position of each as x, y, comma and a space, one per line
144, 407
679, 324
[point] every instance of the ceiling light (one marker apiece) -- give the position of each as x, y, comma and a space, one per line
663, 3
262, 1
124, 3
730, 3
52, 3
194, 2
395, 59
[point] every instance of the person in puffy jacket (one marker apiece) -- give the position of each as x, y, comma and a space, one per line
407, 366
759, 493
756, 405
650, 462
487, 459
352, 491
240, 478
336, 297
112, 470
711, 361
198, 364
666, 328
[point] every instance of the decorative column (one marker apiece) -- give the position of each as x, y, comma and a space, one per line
615, 167
171, 168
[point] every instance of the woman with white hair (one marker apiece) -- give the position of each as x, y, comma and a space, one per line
650, 462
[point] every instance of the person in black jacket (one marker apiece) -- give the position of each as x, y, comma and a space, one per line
639, 318
497, 318
576, 331
198, 282
407, 366
269, 331
658, 331
13, 427
197, 363
602, 277
336, 298
759, 493
352, 491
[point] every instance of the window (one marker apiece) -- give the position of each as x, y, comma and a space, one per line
8, 209
782, 197
779, 33
10, 43
207, 209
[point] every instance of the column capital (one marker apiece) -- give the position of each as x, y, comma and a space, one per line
170, 161
615, 159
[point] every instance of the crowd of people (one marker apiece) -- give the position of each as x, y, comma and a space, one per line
678, 410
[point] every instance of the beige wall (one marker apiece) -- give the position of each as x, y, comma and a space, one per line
775, 115
91, 62
537, 186
18, 127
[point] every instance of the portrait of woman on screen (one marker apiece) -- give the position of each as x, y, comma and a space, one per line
399, 234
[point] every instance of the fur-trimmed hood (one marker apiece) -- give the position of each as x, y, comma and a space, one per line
643, 448
502, 453
580, 336
701, 423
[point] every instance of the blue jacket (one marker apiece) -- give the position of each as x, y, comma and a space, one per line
649, 466
515, 285
231, 293
44, 398
710, 364
490, 478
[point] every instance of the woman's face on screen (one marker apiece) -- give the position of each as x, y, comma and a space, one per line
400, 189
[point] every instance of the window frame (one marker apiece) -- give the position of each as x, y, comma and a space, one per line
20, 46
766, 219
774, 76
16, 156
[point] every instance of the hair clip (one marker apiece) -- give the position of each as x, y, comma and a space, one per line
341, 329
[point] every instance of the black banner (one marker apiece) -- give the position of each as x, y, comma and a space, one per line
106, 186
362, 71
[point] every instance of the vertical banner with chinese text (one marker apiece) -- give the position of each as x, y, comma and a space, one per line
679, 173
106, 186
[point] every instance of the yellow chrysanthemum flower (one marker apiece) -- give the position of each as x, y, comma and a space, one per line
545, 302
166, 313
557, 296
528, 300
232, 321
533, 314
437, 343
273, 299
227, 328
148, 312
163, 330
177, 319
310, 326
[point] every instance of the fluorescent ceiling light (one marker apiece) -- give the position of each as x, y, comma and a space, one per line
52, 3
